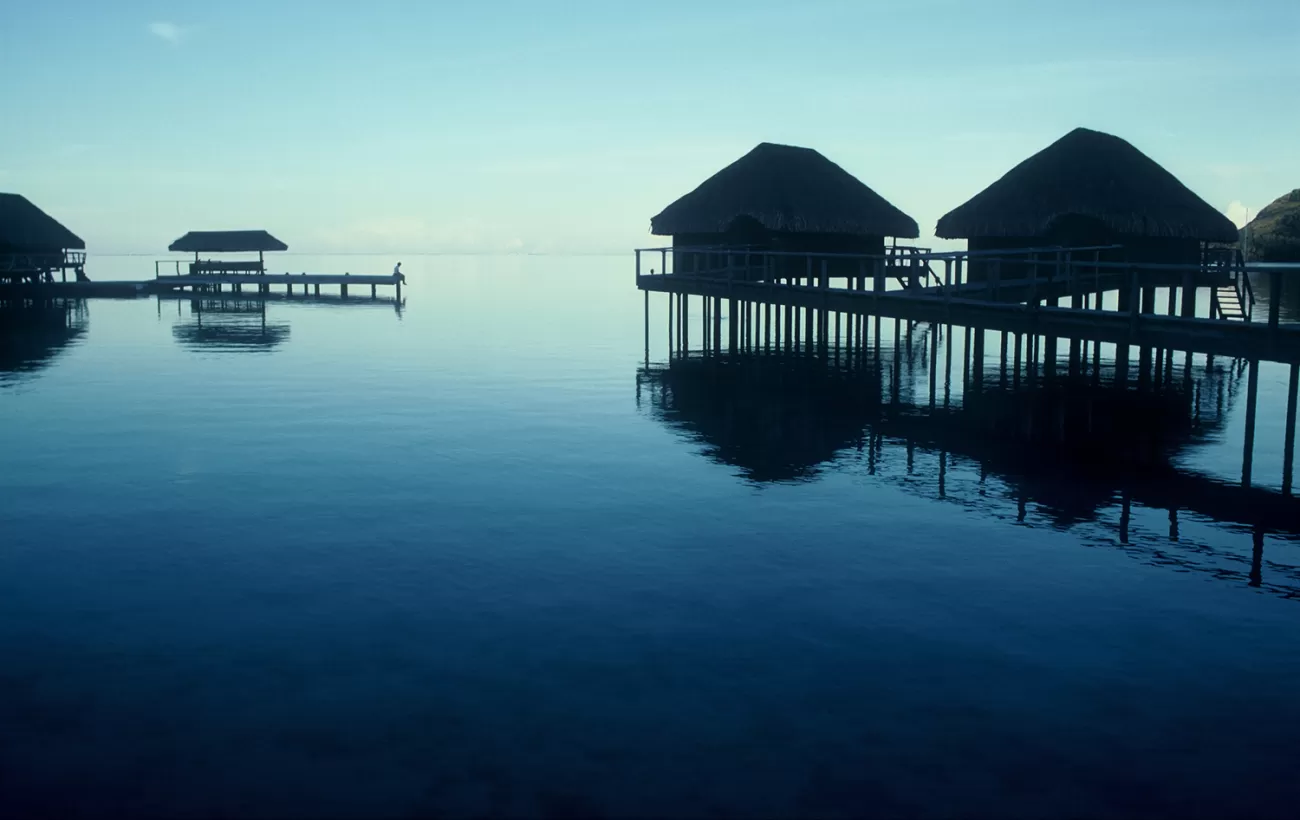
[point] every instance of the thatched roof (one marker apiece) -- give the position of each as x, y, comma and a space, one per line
227, 242
24, 228
1274, 235
1088, 173
784, 188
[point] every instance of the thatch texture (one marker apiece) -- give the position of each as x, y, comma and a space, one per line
1274, 235
1095, 176
227, 242
784, 189
24, 228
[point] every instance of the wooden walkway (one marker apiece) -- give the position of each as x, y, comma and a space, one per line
266, 282
265, 285
1268, 341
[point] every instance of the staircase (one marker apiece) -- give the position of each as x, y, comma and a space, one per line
1234, 299
908, 267
1229, 302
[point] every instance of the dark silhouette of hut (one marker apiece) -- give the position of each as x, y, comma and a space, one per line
1274, 234
779, 198
33, 244
1089, 189
224, 242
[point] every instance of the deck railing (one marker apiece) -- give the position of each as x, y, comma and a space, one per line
1032, 276
37, 263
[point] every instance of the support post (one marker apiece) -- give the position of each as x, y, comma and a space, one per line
934, 368
733, 325
1252, 402
685, 323
1288, 450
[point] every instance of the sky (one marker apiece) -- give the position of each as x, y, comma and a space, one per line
489, 126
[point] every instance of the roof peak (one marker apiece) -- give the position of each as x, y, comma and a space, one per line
1088, 173
785, 188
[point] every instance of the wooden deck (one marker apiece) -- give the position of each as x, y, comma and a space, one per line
1218, 337
265, 285
266, 282
1029, 306
75, 290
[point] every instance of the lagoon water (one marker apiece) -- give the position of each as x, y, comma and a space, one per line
484, 555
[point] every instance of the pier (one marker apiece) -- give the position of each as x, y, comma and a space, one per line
1138, 326
184, 285
1063, 297
287, 284
234, 275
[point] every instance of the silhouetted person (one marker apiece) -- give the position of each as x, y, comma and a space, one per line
397, 273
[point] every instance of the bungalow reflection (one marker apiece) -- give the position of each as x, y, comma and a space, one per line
34, 334
1049, 450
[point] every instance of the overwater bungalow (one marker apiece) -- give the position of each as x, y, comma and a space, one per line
33, 244
227, 242
1091, 189
1274, 235
778, 198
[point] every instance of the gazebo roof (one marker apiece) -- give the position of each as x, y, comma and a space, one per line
227, 242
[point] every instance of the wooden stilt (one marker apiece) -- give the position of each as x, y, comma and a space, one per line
1288, 449
1252, 401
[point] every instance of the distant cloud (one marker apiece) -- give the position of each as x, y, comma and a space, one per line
1240, 214
170, 32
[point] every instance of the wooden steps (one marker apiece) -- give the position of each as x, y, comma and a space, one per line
1229, 302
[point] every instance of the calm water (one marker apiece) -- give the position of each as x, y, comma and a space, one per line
482, 556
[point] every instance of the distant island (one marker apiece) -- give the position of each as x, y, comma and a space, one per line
1274, 235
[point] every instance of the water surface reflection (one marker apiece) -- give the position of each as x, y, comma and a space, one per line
1041, 450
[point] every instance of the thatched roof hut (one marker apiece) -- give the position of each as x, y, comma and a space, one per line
1274, 235
25, 228
1089, 188
227, 242
785, 189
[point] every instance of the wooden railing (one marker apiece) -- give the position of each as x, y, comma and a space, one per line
1033, 277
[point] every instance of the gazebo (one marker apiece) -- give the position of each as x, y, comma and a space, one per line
34, 244
1089, 189
779, 198
227, 242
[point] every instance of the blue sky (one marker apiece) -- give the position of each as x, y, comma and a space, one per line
498, 126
